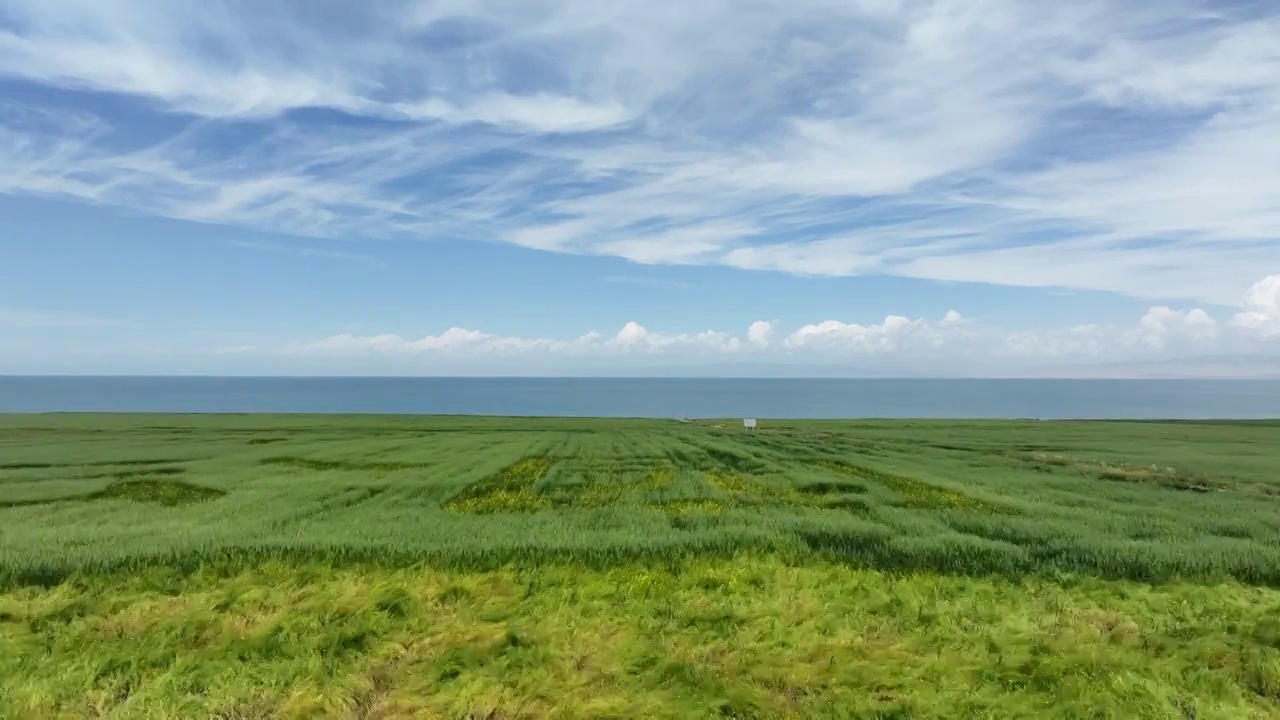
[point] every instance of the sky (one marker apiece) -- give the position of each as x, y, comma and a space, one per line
914, 187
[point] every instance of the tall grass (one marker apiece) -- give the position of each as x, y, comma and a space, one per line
1144, 501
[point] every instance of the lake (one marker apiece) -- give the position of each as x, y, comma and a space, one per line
652, 397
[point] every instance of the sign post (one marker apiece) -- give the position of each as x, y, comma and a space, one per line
749, 424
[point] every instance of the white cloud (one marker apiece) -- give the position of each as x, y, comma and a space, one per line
692, 245
633, 338
453, 340
830, 258
1261, 316
537, 113
952, 343
895, 333
1163, 332
1160, 332
275, 63
940, 139
760, 334
1162, 325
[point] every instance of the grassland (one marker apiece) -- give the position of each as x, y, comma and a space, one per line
327, 566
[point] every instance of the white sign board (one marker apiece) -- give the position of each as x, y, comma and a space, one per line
749, 423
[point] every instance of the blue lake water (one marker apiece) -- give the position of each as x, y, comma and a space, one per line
656, 397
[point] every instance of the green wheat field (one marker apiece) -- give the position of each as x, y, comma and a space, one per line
244, 566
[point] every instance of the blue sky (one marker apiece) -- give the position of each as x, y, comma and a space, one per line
946, 187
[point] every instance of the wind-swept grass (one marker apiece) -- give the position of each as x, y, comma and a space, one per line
745, 636
1108, 499
295, 566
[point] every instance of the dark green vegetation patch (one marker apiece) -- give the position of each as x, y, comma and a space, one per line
136, 487
161, 492
302, 463
831, 487
545, 483
1145, 501
510, 490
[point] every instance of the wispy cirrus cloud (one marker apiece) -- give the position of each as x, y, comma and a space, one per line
1104, 145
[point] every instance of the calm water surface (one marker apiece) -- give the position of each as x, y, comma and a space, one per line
613, 397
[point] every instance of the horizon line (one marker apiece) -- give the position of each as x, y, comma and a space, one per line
211, 376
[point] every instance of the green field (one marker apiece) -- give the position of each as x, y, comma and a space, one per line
372, 566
